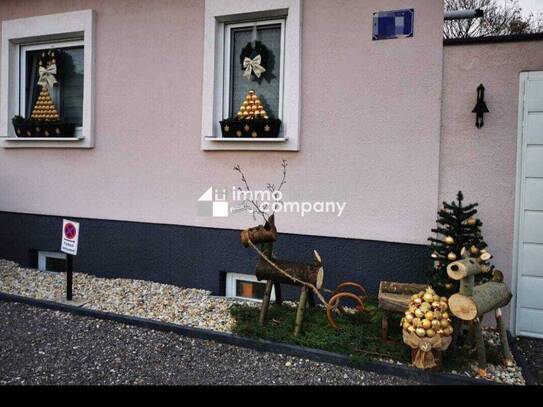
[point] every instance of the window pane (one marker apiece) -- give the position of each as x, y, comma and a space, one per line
54, 264
68, 93
71, 85
267, 87
250, 289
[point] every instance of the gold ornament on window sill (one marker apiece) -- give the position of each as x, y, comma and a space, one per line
251, 121
252, 108
44, 108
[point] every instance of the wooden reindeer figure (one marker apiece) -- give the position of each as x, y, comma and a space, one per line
472, 302
276, 272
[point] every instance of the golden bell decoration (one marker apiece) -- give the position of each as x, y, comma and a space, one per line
451, 256
449, 240
427, 315
44, 109
252, 108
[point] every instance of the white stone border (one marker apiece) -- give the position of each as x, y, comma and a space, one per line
217, 12
52, 27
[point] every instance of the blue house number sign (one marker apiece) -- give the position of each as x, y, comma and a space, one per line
393, 24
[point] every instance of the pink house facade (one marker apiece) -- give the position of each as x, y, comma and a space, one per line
383, 126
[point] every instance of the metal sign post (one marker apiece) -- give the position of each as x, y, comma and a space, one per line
69, 276
70, 242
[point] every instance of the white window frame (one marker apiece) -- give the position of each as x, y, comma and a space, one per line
232, 278
219, 15
49, 31
227, 88
42, 259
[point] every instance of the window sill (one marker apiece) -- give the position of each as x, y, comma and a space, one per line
28, 139
249, 144
44, 142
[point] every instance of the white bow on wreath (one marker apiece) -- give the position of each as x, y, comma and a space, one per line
253, 65
47, 76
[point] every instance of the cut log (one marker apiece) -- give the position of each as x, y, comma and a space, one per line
481, 349
507, 355
265, 303
384, 327
460, 269
466, 286
260, 234
300, 311
486, 297
308, 273
397, 296
394, 302
278, 295
401, 288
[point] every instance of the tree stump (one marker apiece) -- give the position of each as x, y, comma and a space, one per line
486, 297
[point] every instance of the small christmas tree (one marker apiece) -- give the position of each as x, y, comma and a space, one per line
457, 228
252, 108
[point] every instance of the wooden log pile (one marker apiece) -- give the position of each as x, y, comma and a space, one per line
395, 297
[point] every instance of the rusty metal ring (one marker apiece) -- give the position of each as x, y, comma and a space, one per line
336, 299
340, 288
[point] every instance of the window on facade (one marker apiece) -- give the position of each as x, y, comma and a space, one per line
252, 75
51, 261
48, 101
245, 287
269, 35
67, 95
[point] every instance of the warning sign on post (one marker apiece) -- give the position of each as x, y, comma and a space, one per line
70, 237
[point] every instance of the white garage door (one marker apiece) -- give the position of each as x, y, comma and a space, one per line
529, 303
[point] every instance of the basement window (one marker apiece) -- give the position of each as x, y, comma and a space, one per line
51, 261
245, 287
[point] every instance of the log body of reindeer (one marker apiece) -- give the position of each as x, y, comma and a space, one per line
308, 276
472, 302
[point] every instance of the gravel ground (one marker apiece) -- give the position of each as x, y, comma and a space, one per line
532, 350
162, 302
145, 299
51, 347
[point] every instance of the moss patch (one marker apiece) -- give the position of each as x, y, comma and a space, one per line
358, 336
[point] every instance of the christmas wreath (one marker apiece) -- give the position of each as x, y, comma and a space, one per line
256, 60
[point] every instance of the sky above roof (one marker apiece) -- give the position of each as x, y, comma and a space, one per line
535, 6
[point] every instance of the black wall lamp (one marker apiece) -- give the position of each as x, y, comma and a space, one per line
480, 108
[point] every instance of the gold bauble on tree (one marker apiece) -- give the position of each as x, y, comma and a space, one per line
472, 221
449, 240
451, 256
474, 250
